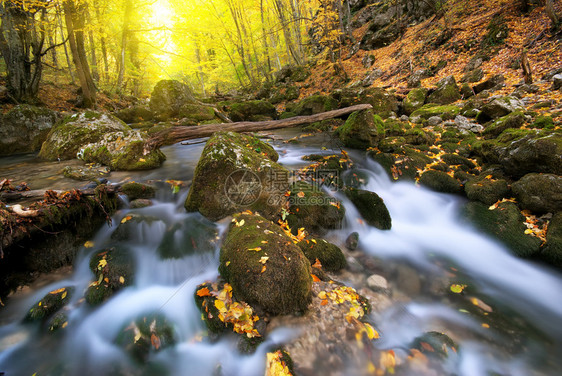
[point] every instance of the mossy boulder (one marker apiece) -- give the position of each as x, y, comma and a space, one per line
362, 130
129, 228
67, 137
315, 104
251, 110
551, 251
313, 209
49, 304
122, 151
402, 165
543, 122
474, 75
515, 120
539, 193
486, 190
135, 114
505, 223
383, 101
264, 267
113, 270
447, 92
414, 100
196, 112
493, 83
58, 321
429, 110
194, 235
135, 191
500, 107
371, 207
292, 73
168, 97
418, 136
440, 181
330, 255
435, 344
532, 153
148, 334
237, 172
24, 128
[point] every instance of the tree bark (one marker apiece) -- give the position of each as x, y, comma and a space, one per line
551, 12
174, 135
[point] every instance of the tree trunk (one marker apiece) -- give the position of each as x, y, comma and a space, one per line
527, 72
124, 37
551, 12
265, 44
76, 41
174, 135
95, 74
59, 18
103, 46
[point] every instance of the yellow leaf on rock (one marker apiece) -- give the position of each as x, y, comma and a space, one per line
89, 244
126, 219
263, 260
263, 269
457, 289
63, 295
121, 279
257, 249
55, 292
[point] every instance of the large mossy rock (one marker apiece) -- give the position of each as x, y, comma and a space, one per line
505, 223
361, 130
447, 92
315, 104
540, 193
551, 252
135, 191
122, 151
402, 165
440, 181
113, 270
252, 111
197, 112
312, 209
384, 102
371, 207
533, 154
292, 73
330, 255
414, 100
264, 267
135, 114
237, 172
500, 107
69, 136
429, 110
486, 190
168, 97
24, 128
49, 304
514, 120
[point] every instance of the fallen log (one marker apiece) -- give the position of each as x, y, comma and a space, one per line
174, 135
10, 196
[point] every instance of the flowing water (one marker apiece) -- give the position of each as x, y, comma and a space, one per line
507, 322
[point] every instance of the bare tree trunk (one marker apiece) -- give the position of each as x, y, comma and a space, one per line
68, 63
103, 47
527, 72
551, 12
95, 74
280, 9
265, 44
124, 36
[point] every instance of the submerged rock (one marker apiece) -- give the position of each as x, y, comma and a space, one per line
264, 266
136, 191
86, 173
237, 172
352, 241
435, 344
330, 255
194, 235
362, 130
49, 304
113, 269
371, 207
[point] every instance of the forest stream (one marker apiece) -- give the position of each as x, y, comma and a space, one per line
503, 313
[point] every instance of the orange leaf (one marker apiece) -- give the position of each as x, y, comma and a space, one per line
427, 346
300, 194
263, 269
203, 292
324, 302
155, 341
315, 278
317, 264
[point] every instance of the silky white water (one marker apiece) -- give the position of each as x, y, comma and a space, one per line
427, 234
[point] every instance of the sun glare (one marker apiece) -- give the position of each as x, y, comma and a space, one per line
161, 13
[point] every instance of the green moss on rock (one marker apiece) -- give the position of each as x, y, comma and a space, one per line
196, 112
113, 270
440, 181
551, 251
487, 191
135, 191
429, 110
414, 100
514, 120
447, 92
276, 277
539, 193
330, 255
49, 304
362, 130
315, 104
251, 110
371, 207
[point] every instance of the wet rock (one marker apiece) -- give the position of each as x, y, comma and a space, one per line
440, 181
136, 191
86, 173
128, 229
539, 193
113, 270
352, 241
515, 120
463, 124
237, 172
435, 344
168, 97
135, 114
140, 203
500, 107
313, 209
505, 223
445, 112
414, 100
493, 83
378, 283
533, 154
194, 235
274, 275
314, 105
58, 321
67, 137
146, 335
371, 207
252, 111
330, 255
486, 190
24, 128
361, 130
551, 252
447, 92
49, 304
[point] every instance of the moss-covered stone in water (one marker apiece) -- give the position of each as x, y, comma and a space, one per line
551, 252
445, 112
314, 105
113, 269
49, 304
196, 112
330, 255
440, 181
362, 130
128, 229
195, 235
264, 267
505, 223
487, 191
229, 159
146, 335
67, 137
435, 344
313, 209
248, 111
371, 207
514, 120
135, 191
58, 321
414, 100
